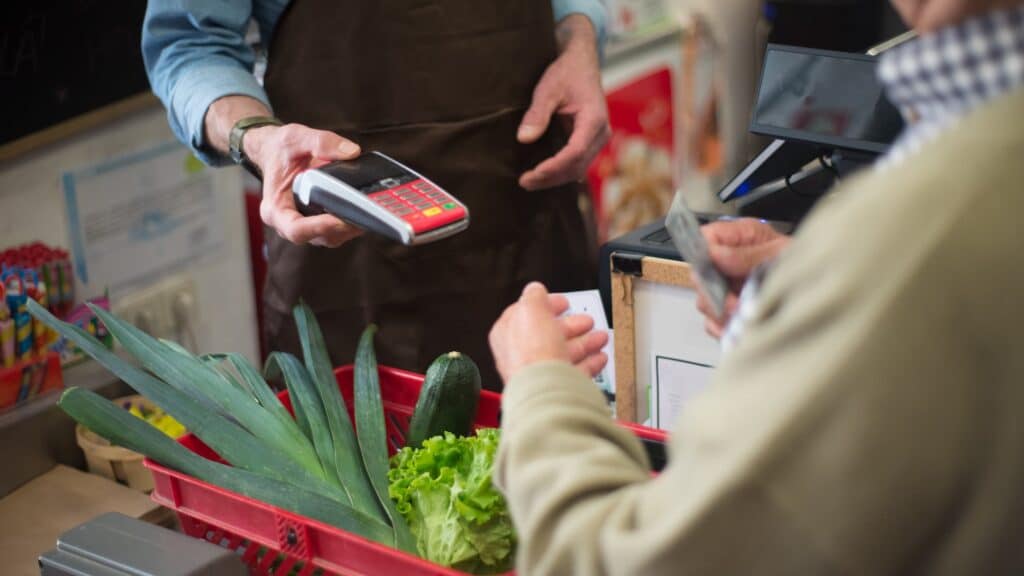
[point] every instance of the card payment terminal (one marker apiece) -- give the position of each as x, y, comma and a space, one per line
379, 194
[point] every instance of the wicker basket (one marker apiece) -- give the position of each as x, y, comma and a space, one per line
114, 462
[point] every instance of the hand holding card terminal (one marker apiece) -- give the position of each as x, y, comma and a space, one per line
381, 195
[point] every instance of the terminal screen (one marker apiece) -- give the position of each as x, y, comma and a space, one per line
369, 173
828, 98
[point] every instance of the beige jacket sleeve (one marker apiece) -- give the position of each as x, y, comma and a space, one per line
858, 426
584, 502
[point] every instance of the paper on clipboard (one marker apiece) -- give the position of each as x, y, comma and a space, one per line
684, 229
676, 383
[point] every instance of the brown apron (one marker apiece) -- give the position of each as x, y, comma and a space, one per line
440, 85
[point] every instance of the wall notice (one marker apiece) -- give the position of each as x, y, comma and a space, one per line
136, 218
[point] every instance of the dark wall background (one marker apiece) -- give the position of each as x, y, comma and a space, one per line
844, 25
62, 58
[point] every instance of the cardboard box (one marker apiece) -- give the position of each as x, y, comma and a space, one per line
35, 515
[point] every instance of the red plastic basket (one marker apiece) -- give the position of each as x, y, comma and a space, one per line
274, 541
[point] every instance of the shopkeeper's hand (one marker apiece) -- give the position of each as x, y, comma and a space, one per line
736, 248
571, 89
531, 331
282, 152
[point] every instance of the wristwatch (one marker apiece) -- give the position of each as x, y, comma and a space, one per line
238, 132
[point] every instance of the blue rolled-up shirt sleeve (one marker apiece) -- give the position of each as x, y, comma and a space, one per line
593, 9
195, 52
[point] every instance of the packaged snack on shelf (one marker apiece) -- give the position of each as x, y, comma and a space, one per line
17, 301
44, 274
7, 356
84, 318
50, 269
25, 380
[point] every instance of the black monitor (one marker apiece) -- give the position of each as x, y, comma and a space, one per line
831, 100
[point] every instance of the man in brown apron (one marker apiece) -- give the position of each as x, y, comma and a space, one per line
441, 85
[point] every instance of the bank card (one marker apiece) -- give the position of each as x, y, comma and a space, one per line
684, 229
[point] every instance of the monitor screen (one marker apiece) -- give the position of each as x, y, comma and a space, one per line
832, 99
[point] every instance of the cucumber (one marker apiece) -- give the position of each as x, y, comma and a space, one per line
448, 399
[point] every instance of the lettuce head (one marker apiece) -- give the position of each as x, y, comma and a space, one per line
444, 491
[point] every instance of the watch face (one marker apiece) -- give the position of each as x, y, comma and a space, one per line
237, 135
235, 144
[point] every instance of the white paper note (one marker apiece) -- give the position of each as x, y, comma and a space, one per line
589, 302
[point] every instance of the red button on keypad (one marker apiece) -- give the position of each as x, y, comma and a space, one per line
421, 205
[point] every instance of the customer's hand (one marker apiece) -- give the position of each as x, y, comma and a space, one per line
571, 89
531, 331
282, 152
736, 247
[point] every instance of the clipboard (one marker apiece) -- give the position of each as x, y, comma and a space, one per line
655, 316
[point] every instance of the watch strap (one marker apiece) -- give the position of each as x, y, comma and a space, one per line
235, 150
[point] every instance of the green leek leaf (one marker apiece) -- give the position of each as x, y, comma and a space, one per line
372, 435
231, 441
346, 450
187, 372
121, 428
306, 401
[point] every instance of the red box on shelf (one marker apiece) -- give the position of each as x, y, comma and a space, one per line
30, 378
274, 541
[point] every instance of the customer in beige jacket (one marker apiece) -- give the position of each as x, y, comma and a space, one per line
869, 419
